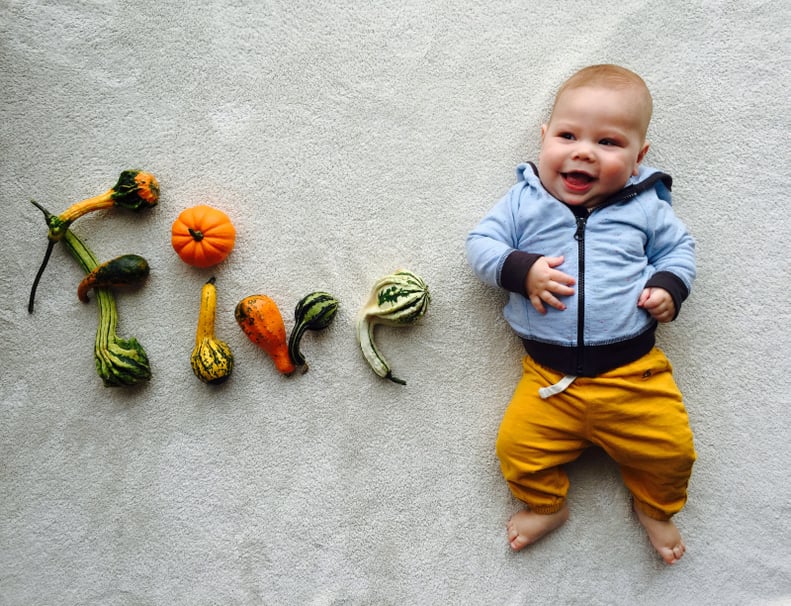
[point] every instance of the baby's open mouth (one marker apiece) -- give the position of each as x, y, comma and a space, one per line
577, 179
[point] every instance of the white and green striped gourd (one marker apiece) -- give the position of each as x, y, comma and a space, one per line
399, 299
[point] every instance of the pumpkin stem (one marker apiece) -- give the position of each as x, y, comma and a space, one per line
197, 235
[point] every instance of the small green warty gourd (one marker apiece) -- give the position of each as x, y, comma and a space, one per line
399, 299
119, 361
315, 311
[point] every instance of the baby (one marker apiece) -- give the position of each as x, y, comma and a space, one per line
593, 256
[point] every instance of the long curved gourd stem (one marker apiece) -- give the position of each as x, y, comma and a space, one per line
104, 299
40, 272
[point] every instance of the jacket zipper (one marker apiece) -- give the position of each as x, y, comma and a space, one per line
579, 236
581, 215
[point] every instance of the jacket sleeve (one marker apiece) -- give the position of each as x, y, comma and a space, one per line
513, 276
671, 251
492, 247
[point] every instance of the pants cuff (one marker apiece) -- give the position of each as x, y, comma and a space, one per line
546, 510
652, 512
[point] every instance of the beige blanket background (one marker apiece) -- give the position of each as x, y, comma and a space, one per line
346, 140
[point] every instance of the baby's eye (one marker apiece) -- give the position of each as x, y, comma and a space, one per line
568, 136
608, 142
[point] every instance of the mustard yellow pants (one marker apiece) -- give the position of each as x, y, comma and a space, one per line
635, 413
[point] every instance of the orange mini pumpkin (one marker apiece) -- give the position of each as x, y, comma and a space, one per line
203, 236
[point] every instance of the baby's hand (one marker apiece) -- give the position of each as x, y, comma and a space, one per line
543, 282
658, 303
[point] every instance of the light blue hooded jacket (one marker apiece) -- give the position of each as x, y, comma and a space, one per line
614, 251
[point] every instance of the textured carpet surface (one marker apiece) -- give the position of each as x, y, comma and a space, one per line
346, 140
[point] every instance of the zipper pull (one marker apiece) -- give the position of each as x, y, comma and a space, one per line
579, 235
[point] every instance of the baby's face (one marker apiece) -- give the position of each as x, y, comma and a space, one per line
593, 143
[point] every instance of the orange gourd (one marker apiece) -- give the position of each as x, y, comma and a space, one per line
203, 236
261, 320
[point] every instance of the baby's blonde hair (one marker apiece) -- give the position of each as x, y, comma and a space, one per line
611, 76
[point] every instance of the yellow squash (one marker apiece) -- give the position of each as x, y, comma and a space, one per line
211, 359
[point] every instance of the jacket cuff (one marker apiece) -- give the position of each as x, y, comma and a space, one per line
513, 274
672, 284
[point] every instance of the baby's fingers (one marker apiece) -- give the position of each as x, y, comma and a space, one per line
535, 300
560, 288
560, 277
552, 301
548, 298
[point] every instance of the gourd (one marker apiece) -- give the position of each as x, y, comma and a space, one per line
203, 236
135, 190
260, 319
119, 362
315, 311
211, 359
399, 299
126, 270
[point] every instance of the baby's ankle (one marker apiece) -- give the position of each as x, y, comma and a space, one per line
527, 527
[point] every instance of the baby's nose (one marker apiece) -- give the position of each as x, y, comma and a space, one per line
582, 151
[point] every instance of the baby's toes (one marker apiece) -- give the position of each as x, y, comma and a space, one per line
517, 542
671, 555
512, 533
668, 555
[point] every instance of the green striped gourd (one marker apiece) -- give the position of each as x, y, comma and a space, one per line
314, 311
399, 299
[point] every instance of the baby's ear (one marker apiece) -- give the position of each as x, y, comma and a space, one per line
641, 154
543, 131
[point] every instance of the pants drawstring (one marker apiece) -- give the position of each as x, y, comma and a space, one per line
559, 387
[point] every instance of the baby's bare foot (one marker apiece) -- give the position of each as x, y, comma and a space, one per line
526, 527
664, 536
